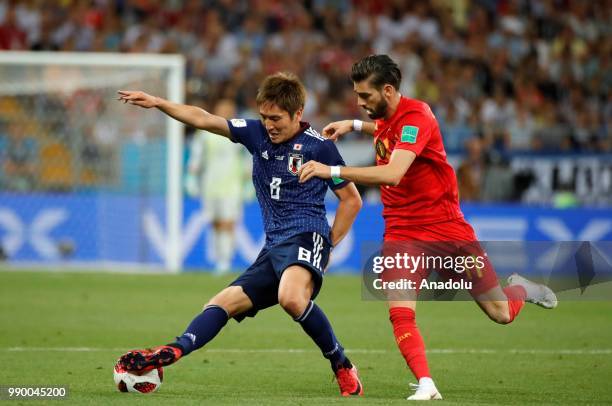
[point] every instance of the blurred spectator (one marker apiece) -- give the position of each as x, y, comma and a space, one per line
497, 112
19, 159
471, 171
12, 36
455, 129
521, 129
498, 181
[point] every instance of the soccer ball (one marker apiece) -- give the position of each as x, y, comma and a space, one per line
147, 382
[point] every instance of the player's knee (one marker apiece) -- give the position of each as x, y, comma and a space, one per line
293, 305
500, 314
501, 318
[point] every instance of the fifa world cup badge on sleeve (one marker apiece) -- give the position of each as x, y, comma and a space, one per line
409, 134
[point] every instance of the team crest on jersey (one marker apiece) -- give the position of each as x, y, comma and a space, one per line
381, 149
295, 162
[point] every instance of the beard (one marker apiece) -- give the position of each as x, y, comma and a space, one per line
378, 111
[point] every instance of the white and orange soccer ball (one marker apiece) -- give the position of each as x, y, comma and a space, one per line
147, 382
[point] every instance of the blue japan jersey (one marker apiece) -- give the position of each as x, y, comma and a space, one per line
287, 206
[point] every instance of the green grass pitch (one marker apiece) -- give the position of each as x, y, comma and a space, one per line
69, 328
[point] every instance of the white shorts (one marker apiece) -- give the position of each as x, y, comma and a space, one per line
223, 209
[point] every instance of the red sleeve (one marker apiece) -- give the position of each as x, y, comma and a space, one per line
414, 132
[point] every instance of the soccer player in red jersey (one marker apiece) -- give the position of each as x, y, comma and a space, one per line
420, 199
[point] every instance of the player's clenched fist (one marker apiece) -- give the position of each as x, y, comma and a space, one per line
137, 98
313, 168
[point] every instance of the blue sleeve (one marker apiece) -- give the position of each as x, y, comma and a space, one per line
245, 132
328, 154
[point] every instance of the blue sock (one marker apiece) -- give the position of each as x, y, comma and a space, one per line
315, 324
203, 328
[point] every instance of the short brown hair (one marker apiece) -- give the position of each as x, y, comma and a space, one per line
283, 89
379, 69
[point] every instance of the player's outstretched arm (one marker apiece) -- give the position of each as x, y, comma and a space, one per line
338, 128
390, 174
349, 206
190, 115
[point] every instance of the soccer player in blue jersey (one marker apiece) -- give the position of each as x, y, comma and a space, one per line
289, 270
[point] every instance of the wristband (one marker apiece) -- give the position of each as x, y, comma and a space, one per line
334, 171
357, 125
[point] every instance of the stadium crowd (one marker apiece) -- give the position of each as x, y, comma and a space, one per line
501, 75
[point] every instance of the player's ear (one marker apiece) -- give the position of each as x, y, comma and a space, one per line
298, 114
388, 91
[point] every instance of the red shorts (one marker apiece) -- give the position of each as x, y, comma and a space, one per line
450, 248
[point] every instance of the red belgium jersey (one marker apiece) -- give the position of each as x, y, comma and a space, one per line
428, 191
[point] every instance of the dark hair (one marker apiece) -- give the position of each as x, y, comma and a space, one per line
379, 69
283, 89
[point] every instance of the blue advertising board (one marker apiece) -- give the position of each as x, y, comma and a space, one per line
99, 228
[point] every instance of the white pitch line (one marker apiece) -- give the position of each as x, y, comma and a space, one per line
601, 351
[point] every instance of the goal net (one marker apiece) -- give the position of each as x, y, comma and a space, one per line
87, 181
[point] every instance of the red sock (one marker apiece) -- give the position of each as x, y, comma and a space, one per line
409, 340
516, 299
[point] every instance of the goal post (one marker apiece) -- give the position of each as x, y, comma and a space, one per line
86, 180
